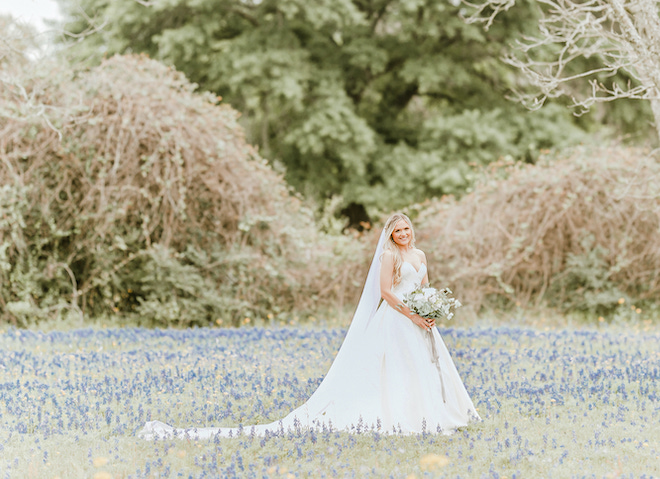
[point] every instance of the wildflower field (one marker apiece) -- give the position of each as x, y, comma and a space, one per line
555, 403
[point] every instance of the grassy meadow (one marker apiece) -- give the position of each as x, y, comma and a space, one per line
555, 403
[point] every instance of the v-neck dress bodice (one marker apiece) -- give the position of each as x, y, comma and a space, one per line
411, 278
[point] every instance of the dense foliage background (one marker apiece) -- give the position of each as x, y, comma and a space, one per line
130, 186
575, 232
383, 103
125, 192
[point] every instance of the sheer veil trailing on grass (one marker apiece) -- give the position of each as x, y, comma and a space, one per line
384, 377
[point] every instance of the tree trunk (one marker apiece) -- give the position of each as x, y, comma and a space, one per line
265, 128
655, 106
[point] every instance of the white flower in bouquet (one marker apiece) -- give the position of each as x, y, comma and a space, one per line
432, 303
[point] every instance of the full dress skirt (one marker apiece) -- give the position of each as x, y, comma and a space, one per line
401, 380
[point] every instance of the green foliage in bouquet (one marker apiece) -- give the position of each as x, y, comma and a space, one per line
431, 303
123, 191
576, 232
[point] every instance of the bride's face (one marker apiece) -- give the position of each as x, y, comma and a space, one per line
402, 233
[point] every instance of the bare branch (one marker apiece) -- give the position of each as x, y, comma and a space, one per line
624, 37
487, 12
90, 30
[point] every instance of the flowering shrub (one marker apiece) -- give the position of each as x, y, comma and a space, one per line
570, 403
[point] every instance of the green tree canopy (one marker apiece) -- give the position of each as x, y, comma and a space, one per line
384, 102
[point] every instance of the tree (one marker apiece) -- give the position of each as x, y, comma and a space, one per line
382, 102
620, 39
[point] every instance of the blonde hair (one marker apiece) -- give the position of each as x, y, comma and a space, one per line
390, 245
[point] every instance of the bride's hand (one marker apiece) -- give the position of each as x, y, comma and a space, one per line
423, 323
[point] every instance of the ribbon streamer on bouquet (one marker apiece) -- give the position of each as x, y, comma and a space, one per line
435, 358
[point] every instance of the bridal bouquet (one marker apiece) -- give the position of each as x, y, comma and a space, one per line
431, 303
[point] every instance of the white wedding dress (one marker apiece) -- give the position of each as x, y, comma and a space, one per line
389, 375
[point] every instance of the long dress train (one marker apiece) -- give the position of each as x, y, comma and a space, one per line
392, 376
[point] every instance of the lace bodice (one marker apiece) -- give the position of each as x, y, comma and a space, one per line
410, 279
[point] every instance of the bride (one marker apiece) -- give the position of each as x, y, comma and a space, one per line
392, 373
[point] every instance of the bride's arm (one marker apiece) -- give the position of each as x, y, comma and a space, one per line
426, 276
386, 273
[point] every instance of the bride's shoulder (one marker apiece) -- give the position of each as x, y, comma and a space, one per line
388, 255
421, 254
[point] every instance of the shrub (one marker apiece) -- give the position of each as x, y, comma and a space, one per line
124, 191
577, 231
